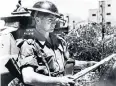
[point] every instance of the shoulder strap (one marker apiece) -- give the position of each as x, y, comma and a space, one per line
63, 43
43, 55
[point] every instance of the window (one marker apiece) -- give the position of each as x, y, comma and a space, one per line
94, 23
93, 14
108, 13
109, 5
100, 5
108, 23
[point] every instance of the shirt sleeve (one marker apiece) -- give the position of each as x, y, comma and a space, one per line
27, 56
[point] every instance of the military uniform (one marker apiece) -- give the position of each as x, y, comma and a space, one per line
46, 58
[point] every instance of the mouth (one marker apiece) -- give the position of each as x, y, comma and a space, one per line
51, 30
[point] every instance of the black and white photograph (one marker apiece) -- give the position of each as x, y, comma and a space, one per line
57, 43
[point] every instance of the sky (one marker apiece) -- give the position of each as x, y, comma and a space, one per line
75, 8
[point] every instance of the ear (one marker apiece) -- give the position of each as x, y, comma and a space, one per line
38, 20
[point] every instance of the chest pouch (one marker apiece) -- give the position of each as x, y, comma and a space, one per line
69, 67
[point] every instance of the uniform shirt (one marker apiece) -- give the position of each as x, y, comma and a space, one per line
30, 56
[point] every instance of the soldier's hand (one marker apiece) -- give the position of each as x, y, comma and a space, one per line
90, 63
114, 58
66, 80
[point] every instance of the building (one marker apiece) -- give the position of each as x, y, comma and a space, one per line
102, 14
105, 8
93, 15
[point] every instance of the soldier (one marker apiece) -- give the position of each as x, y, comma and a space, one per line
42, 57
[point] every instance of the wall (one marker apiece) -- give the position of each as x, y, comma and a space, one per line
93, 15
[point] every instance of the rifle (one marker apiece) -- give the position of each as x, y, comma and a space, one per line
89, 69
12, 66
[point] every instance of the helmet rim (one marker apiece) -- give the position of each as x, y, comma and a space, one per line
44, 11
45, 7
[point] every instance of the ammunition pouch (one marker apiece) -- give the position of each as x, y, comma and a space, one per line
69, 67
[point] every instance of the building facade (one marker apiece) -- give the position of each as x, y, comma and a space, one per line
93, 15
102, 14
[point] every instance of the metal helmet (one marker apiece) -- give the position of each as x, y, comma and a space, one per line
45, 7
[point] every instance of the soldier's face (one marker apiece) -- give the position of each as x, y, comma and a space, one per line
46, 23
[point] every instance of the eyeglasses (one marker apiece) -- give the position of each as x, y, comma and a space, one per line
52, 20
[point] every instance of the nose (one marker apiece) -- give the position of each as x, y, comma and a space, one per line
54, 25
54, 22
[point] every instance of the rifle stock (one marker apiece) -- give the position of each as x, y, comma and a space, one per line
87, 70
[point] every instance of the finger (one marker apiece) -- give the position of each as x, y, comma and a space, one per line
63, 84
70, 76
94, 62
71, 81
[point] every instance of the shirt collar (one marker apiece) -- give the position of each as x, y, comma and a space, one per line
42, 42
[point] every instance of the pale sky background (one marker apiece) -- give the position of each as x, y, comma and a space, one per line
75, 8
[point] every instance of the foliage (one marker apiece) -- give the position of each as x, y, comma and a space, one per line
86, 43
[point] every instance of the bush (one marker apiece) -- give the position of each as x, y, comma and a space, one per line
88, 46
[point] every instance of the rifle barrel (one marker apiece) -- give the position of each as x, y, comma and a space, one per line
87, 70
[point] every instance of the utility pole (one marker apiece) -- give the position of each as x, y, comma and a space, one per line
68, 19
73, 24
103, 19
67, 23
102, 8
